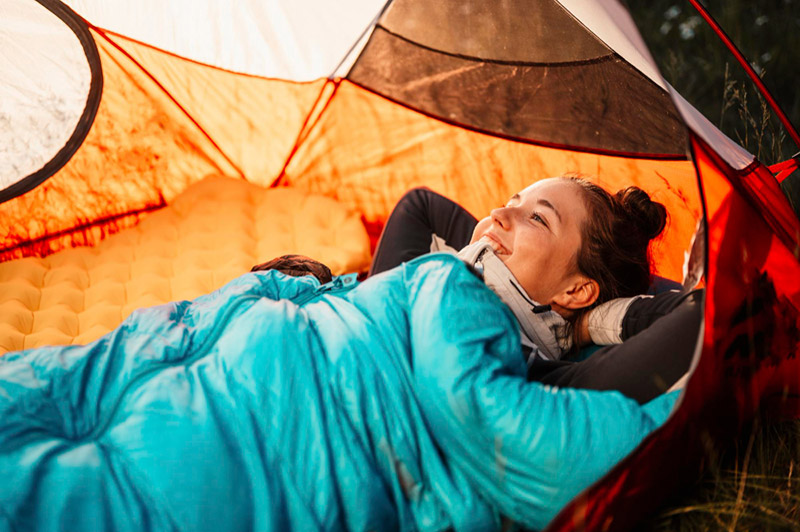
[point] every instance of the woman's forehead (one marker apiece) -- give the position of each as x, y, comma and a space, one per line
561, 195
554, 187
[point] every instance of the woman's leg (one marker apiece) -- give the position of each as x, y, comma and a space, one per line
418, 215
660, 336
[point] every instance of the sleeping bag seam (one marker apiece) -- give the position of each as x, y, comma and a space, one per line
326, 415
4, 515
202, 351
131, 469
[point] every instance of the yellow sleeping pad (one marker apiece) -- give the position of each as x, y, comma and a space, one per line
213, 232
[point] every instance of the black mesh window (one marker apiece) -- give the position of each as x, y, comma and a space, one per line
530, 78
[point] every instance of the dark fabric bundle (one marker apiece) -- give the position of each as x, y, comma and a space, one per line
297, 266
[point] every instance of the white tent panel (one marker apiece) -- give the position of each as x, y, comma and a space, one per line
46, 79
299, 40
612, 24
734, 155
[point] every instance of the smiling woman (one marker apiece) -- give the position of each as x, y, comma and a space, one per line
537, 234
568, 243
570, 253
572, 262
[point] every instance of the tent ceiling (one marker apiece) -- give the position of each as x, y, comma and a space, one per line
270, 39
529, 71
282, 40
612, 24
523, 31
167, 117
588, 105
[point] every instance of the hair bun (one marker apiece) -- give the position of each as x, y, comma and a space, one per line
649, 216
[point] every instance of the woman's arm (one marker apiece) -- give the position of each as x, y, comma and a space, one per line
619, 319
660, 337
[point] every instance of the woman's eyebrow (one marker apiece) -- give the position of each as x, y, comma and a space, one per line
550, 206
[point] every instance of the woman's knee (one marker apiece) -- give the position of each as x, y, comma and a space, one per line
419, 199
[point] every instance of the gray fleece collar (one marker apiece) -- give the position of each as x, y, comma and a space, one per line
542, 328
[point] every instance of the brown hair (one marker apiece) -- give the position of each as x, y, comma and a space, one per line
615, 239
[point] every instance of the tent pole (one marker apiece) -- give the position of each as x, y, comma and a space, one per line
749, 69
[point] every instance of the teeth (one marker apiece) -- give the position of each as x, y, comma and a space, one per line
497, 248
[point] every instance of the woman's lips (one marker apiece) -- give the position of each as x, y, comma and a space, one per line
498, 248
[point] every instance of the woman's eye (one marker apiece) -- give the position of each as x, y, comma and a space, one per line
535, 216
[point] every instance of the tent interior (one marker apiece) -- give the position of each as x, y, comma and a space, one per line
456, 110
156, 151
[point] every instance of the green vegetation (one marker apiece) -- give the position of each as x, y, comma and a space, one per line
755, 484
700, 67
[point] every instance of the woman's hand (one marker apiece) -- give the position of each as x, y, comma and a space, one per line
584, 338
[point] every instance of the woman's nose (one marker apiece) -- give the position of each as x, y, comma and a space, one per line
502, 217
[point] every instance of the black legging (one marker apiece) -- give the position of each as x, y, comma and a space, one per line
660, 333
417, 216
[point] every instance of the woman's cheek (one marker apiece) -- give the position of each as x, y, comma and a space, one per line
482, 226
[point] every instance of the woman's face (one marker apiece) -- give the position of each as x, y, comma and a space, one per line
537, 235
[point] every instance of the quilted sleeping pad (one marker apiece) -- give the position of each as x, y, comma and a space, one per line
279, 404
213, 232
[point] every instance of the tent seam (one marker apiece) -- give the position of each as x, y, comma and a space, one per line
580, 149
169, 95
594, 60
199, 63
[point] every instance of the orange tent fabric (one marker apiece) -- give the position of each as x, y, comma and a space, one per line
475, 100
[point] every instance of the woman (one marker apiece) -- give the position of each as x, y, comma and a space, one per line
278, 403
571, 256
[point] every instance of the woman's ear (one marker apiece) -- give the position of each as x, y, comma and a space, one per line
581, 293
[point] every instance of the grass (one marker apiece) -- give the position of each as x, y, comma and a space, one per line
758, 131
753, 486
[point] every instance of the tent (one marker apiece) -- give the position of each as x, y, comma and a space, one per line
111, 110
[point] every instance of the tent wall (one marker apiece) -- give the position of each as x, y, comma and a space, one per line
253, 121
166, 121
140, 152
163, 123
49, 97
590, 103
366, 151
748, 363
753, 308
611, 23
506, 72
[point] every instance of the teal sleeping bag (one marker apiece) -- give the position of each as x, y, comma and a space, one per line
278, 404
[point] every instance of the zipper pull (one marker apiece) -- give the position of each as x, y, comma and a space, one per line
340, 282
